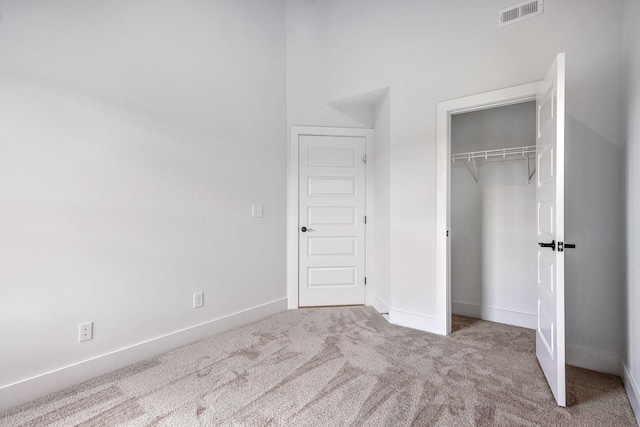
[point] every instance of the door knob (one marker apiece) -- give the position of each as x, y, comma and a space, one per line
305, 229
551, 245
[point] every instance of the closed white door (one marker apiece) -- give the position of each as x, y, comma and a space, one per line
550, 340
331, 229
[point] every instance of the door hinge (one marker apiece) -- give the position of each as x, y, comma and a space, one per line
447, 233
365, 280
364, 159
365, 219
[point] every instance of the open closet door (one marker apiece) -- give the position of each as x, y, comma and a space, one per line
550, 344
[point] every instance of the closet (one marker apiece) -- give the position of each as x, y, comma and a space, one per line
493, 215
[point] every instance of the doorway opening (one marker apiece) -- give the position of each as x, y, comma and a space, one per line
493, 234
549, 95
445, 112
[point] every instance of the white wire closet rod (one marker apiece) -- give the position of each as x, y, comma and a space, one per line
499, 152
522, 152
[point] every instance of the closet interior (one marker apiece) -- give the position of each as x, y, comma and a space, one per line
493, 214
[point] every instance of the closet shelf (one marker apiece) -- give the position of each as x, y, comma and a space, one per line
505, 153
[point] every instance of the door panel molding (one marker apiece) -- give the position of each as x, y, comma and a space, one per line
338, 279
293, 199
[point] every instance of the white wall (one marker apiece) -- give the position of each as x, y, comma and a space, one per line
134, 138
493, 222
382, 216
428, 52
631, 355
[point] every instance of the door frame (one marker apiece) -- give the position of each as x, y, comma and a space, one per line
292, 204
446, 109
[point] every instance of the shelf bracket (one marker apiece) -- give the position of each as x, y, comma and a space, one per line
531, 173
474, 171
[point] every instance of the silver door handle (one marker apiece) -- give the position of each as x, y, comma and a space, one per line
305, 229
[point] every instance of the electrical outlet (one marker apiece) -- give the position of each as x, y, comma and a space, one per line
256, 211
86, 331
198, 299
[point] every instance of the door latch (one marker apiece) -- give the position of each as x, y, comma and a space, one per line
562, 246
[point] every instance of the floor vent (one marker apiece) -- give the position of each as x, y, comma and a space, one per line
520, 12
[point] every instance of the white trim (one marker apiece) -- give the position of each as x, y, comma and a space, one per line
593, 359
413, 320
292, 204
632, 389
445, 110
43, 384
494, 314
378, 304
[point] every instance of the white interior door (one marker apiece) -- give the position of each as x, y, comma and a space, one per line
550, 342
331, 229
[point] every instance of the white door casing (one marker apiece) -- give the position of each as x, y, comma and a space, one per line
446, 109
331, 214
550, 339
325, 164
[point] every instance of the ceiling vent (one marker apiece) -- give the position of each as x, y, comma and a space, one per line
520, 12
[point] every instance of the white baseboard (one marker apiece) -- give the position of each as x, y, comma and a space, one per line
493, 314
378, 304
633, 391
413, 320
41, 385
591, 358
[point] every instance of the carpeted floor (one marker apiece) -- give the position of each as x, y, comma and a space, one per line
335, 367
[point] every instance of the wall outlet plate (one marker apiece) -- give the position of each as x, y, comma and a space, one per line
86, 331
256, 211
198, 299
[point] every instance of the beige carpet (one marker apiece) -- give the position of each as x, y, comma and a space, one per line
335, 367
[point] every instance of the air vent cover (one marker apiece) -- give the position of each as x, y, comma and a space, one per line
520, 12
